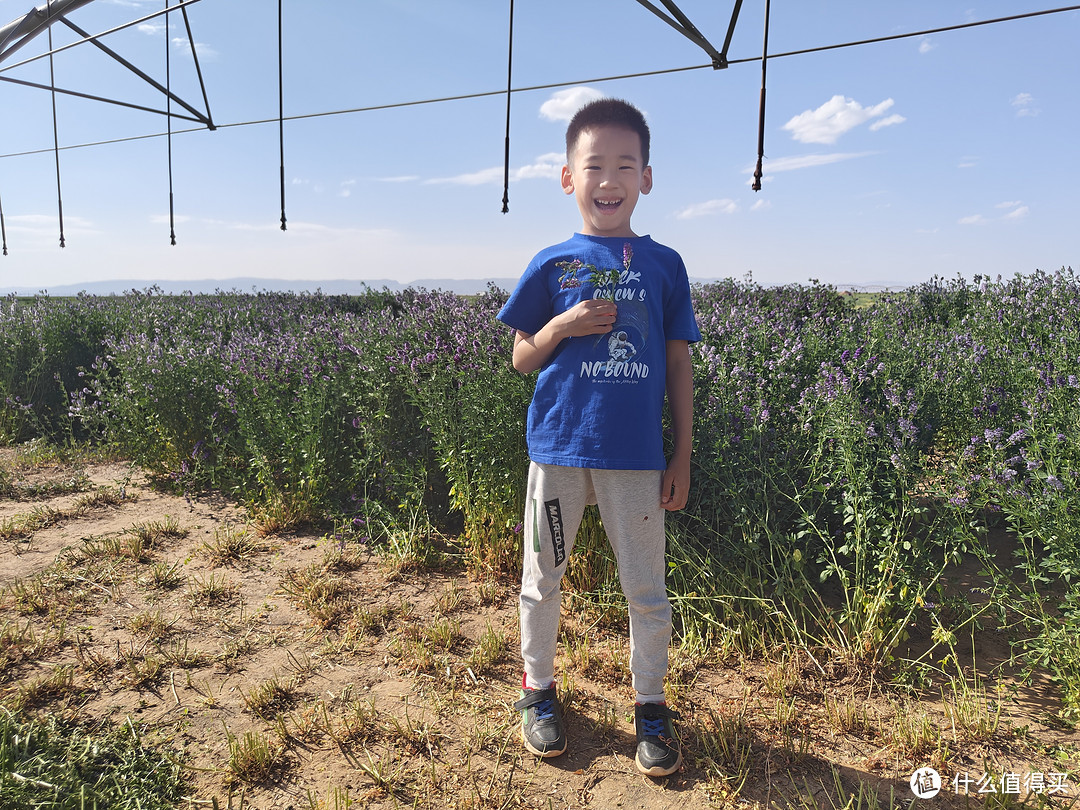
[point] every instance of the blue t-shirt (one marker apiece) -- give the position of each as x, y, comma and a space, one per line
599, 399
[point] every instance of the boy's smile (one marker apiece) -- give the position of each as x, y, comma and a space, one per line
606, 177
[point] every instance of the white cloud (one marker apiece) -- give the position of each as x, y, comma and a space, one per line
33, 220
1015, 208
761, 205
183, 45
925, 45
314, 185
1025, 105
547, 166
564, 103
166, 219
44, 229
480, 178
704, 209
832, 119
808, 161
401, 178
887, 122
968, 162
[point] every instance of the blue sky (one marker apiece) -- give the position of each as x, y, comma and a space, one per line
886, 164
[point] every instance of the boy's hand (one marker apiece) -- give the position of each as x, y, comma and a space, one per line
593, 316
675, 486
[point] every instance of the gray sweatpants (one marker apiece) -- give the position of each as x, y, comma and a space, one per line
629, 502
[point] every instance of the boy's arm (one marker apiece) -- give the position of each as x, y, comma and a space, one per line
680, 394
591, 317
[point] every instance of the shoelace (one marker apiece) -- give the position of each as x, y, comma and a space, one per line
653, 727
544, 710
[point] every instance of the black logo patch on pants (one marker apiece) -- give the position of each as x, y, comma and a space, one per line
555, 524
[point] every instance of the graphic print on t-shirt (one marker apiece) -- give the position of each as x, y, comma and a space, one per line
615, 352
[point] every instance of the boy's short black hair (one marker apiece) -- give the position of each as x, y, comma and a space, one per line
609, 112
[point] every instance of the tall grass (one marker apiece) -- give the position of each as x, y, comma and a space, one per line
846, 457
50, 764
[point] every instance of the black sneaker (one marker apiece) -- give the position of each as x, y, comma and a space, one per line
658, 749
542, 722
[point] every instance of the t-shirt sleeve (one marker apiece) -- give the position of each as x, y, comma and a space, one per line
679, 320
529, 305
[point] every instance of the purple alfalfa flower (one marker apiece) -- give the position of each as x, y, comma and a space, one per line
569, 280
627, 255
1018, 436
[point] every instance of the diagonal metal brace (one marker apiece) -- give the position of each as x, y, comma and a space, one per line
681, 23
15, 35
204, 119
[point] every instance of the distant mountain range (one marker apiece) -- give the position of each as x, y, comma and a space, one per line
327, 287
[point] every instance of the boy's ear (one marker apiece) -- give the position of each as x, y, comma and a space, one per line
567, 180
646, 180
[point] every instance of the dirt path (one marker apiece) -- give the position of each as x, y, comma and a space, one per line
293, 673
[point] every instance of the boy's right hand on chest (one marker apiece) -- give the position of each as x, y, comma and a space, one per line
594, 316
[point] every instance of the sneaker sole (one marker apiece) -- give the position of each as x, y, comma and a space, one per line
658, 770
542, 754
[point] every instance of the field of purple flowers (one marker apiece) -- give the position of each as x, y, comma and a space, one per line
849, 453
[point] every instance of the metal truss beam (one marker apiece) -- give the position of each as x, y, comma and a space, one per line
681, 23
18, 33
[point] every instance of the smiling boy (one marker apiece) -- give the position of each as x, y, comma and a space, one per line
595, 420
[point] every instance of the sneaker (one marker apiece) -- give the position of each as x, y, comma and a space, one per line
542, 722
658, 749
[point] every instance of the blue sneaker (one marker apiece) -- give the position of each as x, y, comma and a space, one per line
658, 749
542, 726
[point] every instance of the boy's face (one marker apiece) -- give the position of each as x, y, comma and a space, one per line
605, 174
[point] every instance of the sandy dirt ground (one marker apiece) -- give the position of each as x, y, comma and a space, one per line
289, 671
